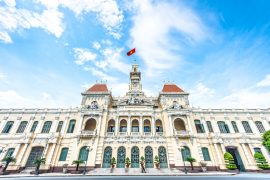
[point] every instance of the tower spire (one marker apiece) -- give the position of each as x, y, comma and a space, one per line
135, 78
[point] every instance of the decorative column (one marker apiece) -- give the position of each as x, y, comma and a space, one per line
99, 123
21, 155
265, 153
205, 126
141, 125
218, 154
229, 125
153, 127
116, 126
170, 125
251, 148
253, 127
80, 126
16, 150
246, 153
128, 125
190, 129
51, 154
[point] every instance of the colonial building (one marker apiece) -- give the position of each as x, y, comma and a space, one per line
133, 126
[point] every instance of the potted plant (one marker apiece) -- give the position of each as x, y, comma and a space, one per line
203, 166
65, 168
113, 162
191, 160
38, 162
156, 161
7, 160
229, 161
77, 162
127, 162
261, 161
142, 162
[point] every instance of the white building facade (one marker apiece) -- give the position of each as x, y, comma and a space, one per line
133, 126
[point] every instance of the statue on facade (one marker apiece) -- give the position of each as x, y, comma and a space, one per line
93, 105
176, 105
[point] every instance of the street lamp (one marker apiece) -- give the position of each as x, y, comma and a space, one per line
180, 149
88, 149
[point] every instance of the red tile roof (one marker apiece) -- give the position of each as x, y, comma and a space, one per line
98, 88
171, 88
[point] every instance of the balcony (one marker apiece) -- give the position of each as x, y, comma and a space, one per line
182, 134
147, 133
122, 133
135, 133
87, 133
159, 133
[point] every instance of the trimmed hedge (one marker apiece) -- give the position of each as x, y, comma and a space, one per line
261, 161
229, 161
266, 140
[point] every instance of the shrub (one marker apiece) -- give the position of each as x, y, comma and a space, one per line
113, 161
261, 161
156, 160
127, 162
229, 161
266, 140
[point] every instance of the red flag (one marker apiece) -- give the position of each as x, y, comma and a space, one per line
132, 51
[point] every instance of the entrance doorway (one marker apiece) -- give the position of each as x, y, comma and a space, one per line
35, 153
237, 158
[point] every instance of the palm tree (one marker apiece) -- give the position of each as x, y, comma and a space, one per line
77, 162
191, 160
38, 162
8, 159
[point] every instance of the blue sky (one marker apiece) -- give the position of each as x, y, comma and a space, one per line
218, 51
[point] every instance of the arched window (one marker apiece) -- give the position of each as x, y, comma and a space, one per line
162, 155
199, 126
121, 157
46, 127
84, 153
135, 155
71, 126
36, 152
34, 126
107, 156
148, 152
8, 127
209, 126
146, 126
235, 128
159, 126
260, 126
63, 155
185, 153
206, 155
90, 125
246, 127
179, 125
22, 127
123, 125
135, 126
223, 127
111, 126
59, 127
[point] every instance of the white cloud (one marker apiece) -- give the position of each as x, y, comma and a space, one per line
265, 82
96, 45
83, 55
153, 23
100, 74
11, 98
108, 12
13, 19
2, 77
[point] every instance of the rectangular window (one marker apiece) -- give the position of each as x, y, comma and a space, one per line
260, 126
209, 126
63, 155
135, 129
8, 127
59, 127
10, 152
46, 127
34, 126
147, 129
235, 128
123, 128
71, 126
22, 127
206, 155
199, 126
223, 127
246, 127
159, 129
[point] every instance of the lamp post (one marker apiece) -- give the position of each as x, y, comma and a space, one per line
88, 149
180, 149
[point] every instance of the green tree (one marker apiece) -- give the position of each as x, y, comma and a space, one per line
261, 161
229, 161
78, 162
156, 160
8, 159
191, 160
266, 140
113, 161
38, 162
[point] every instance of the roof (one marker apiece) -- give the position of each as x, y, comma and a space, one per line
168, 88
98, 88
